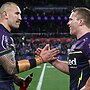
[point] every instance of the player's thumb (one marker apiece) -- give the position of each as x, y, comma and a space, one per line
47, 47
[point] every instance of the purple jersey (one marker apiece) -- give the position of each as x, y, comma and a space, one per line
6, 46
78, 62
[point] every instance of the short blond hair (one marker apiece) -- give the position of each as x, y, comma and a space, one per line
6, 6
83, 13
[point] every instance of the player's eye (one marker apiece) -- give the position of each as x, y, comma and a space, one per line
17, 13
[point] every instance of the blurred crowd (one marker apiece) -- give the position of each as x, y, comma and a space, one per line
26, 46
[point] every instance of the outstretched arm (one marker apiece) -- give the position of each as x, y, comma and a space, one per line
12, 66
61, 65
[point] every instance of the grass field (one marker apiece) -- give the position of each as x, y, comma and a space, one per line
46, 77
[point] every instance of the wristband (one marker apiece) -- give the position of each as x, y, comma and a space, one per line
39, 60
17, 66
32, 63
24, 65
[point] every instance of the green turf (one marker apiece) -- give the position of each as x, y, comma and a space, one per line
53, 79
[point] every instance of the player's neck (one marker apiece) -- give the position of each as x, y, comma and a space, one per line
82, 33
6, 26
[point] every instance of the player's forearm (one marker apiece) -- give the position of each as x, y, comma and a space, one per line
12, 66
45, 56
24, 65
61, 65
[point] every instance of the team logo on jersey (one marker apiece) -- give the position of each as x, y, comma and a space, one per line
72, 62
4, 42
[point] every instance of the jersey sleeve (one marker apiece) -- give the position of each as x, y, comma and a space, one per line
86, 49
4, 45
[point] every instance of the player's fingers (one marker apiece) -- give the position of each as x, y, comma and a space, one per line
54, 51
47, 47
38, 51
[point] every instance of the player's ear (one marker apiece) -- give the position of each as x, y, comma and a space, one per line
4, 14
81, 22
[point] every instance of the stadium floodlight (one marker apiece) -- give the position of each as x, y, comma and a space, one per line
65, 18
45, 18
28, 25
38, 18
59, 18
52, 18
32, 18
25, 18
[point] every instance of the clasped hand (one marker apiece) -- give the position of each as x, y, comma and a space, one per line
47, 54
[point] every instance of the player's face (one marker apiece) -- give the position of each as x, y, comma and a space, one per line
14, 17
73, 23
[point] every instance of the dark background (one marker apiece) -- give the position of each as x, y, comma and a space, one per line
52, 9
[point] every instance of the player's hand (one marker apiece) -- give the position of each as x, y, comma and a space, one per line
48, 54
87, 85
38, 51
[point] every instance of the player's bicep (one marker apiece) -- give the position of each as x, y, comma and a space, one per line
8, 62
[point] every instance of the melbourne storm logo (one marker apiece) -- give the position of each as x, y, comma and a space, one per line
72, 63
4, 42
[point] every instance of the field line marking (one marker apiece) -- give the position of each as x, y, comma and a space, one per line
41, 78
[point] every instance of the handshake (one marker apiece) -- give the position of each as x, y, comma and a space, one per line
23, 83
47, 54
42, 56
